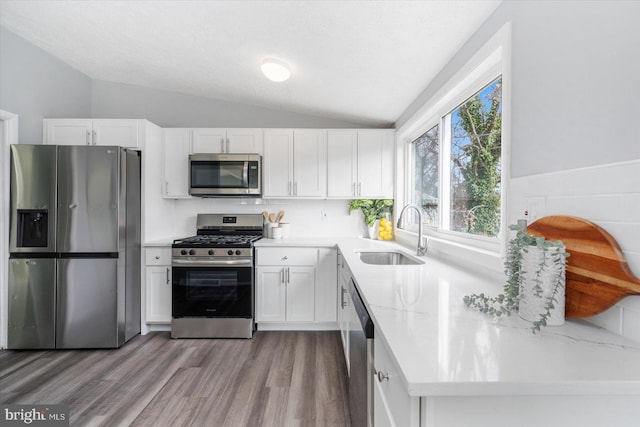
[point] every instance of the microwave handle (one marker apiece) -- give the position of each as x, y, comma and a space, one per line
245, 174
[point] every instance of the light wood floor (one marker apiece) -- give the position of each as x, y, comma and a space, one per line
275, 379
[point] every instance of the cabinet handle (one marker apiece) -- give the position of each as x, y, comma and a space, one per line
289, 193
382, 376
288, 275
88, 138
295, 188
157, 257
95, 137
359, 189
342, 302
168, 271
222, 145
353, 188
282, 275
166, 188
228, 151
284, 258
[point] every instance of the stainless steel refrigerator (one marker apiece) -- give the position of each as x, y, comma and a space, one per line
74, 267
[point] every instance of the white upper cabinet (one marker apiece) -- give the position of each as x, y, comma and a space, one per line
210, 140
120, 132
277, 163
295, 163
360, 163
176, 146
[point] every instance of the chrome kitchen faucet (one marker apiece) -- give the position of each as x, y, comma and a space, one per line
422, 248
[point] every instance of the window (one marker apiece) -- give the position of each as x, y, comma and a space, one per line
455, 167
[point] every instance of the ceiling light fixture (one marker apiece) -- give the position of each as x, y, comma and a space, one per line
275, 70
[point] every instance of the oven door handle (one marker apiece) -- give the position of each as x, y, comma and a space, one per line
216, 263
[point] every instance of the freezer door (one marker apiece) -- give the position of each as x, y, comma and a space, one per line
33, 198
87, 303
32, 302
88, 178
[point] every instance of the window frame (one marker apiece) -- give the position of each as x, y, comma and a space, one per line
489, 63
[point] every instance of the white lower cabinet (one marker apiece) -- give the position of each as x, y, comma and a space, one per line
295, 285
158, 285
392, 404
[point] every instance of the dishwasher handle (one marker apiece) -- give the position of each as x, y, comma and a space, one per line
361, 310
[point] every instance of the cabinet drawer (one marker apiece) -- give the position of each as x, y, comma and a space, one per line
286, 256
402, 409
158, 256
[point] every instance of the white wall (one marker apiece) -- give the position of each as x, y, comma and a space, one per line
35, 85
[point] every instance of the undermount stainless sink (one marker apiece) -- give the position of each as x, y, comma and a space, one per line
387, 258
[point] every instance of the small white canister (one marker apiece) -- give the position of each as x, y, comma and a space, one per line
285, 229
268, 229
276, 232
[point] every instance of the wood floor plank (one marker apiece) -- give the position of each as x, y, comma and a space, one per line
275, 379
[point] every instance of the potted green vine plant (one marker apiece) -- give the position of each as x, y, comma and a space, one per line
535, 286
372, 210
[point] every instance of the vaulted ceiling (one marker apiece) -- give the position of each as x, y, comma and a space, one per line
362, 61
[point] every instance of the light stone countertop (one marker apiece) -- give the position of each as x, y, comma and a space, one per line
444, 348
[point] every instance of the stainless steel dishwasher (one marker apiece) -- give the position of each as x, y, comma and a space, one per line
361, 361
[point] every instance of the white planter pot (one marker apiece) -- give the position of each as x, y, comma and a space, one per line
531, 305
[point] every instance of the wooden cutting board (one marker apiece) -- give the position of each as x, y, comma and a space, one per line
598, 275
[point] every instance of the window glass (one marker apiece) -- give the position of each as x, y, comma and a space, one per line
475, 169
456, 173
426, 157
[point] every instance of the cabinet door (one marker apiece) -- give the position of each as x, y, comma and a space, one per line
381, 413
310, 163
326, 286
244, 141
209, 140
158, 294
270, 294
344, 301
278, 163
123, 133
342, 163
175, 162
375, 164
68, 131
300, 294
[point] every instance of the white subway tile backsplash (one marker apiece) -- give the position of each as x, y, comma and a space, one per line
631, 208
609, 179
631, 323
596, 208
608, 195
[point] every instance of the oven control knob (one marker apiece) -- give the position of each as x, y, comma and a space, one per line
183, 252
192, 252
238, 252
229, 252
210, 251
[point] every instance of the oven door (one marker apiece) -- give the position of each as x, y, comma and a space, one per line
212, 291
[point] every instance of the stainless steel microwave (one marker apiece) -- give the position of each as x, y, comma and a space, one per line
218, 175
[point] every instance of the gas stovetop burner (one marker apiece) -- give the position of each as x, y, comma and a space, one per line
208, 240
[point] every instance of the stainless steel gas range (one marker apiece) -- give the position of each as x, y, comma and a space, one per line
213, 278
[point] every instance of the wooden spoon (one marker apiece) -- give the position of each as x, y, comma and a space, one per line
280, 215
265, 215
272, 217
